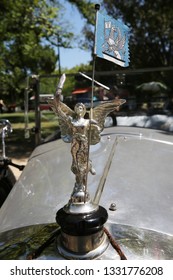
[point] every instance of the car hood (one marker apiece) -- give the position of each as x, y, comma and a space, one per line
133, 166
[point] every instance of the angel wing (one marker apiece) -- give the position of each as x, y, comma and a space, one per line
101, 111
120, 40
65, 114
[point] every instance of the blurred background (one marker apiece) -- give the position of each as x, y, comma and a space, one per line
42, 39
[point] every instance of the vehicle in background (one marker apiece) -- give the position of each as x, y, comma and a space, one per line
10, 108
44, 106
100, 95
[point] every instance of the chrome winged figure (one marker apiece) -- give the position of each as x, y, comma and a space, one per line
81, 132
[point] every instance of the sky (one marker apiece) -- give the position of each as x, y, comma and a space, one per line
73, 57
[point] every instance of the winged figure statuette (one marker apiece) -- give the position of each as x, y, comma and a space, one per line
81, 132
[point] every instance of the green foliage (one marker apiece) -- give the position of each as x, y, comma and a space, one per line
49, 124
28, 31
85, 8
31, 29
72, 81
48, 83
151, 29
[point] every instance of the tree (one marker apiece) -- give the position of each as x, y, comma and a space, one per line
150, 42
28, 30
151, 28
48, 84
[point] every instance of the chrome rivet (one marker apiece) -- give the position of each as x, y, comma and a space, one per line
113, 207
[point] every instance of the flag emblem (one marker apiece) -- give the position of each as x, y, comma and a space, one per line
112, 40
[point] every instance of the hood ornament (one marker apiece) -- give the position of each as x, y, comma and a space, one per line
81, 133
81, 220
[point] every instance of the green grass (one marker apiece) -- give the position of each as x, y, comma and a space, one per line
17, 146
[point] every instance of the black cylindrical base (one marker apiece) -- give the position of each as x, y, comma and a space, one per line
82, 224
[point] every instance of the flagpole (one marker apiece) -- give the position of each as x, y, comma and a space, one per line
97, 8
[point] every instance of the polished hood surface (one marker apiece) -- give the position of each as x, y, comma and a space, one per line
133, 164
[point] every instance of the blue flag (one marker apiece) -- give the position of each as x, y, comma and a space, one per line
112, 40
